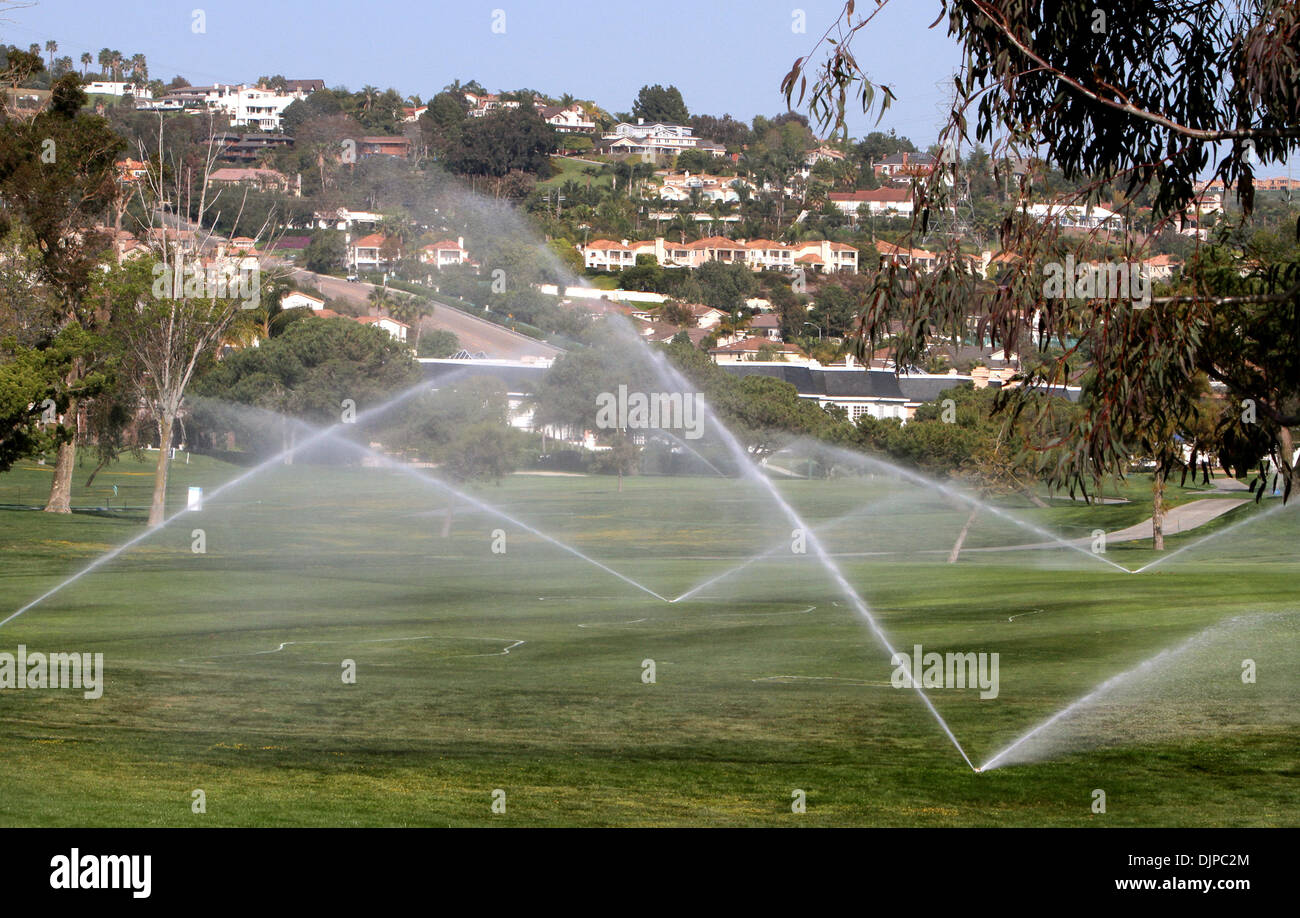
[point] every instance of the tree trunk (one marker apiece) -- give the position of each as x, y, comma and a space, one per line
158, 508
60, 500
288, 440
1035, 499
620, 479
1158, 510
104, 460
446, 520
961, 536
1286, 446
61, 489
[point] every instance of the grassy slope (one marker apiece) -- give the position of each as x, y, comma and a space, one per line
571, 170
756, 694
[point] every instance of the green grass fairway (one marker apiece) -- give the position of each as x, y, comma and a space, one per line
522, 670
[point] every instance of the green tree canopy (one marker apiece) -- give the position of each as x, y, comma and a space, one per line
658, 103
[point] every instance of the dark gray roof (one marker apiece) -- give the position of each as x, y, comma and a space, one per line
928, 388
968, 353
828, 383
901, 157
517, 379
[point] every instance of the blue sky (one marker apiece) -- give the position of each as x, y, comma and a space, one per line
724, 55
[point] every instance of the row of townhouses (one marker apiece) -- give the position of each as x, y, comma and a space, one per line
718, 189
375, 252
756, 254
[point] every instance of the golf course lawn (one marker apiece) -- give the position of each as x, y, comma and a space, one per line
498, 659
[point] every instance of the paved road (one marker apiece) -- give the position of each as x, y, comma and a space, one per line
1178, 519
475, 334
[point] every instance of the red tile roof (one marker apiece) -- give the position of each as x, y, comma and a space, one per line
874, 195
375, 320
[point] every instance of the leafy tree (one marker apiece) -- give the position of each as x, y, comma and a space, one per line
696, 161
566, 397
28, 376
622, 458
494, 146
1101, 98
325, 252
443, 122
60, 200
677, 313
464, 427
834, 309
657, 103
877, 145
439, 343
483, 451
309, 370
726, 130
20, 66
726, 286
321, 103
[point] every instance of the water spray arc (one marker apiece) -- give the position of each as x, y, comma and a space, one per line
1110, 684
754, 473
780, 546
690, 449
958, 494
1213, 535
422, 476
319, 435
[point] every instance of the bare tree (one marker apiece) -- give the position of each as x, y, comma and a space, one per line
198, 291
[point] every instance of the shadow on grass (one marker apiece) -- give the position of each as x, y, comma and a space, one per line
138, 514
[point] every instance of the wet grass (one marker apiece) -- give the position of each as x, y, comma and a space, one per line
224, 670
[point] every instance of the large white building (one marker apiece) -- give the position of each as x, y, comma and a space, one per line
1076, 216
117, 88
892, 201
246, 106
657, 139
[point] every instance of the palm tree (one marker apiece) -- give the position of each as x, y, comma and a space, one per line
380, 300
115, 59
394, 227
86, 61
411, 310
269, 319
51, 46
105, 58
139, 69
